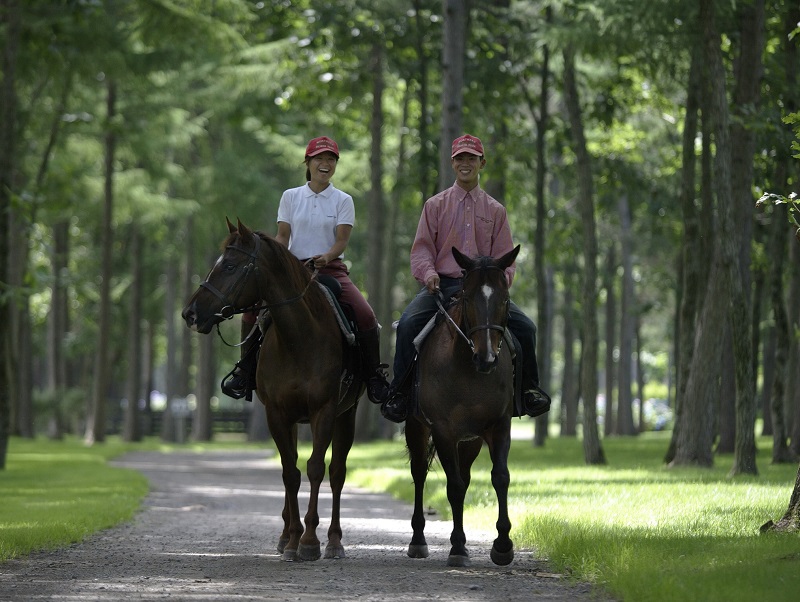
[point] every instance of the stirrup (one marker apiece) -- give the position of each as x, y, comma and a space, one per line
236, 384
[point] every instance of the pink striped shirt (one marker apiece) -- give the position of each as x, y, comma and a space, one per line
471, 221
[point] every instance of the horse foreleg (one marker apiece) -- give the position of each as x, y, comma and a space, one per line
285, 442
322, 432
417, 436
343, 434
499, 444
456, 491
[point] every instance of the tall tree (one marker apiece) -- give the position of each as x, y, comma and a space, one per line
10, 21
96, 426
456, 17
592, 450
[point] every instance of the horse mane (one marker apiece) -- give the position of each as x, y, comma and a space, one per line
298, 274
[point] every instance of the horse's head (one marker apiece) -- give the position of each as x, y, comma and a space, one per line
484, 302
228, 289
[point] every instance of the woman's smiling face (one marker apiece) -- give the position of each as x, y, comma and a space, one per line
322, 167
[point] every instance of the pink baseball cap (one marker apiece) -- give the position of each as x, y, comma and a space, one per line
321, 145
467, 144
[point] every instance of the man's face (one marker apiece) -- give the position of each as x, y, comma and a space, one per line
467, 167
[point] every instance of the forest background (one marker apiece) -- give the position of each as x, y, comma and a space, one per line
628, 140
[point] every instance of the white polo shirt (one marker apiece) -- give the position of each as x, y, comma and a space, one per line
314, 217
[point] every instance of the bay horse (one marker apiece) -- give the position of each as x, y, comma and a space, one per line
465, 397
300, 367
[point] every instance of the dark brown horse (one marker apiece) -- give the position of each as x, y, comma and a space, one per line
465, 397
300, 365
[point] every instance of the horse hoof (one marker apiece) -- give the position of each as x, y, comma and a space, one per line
458, 561
307, 552
282, 544
418, 550
334, 552
501, 558
289, 555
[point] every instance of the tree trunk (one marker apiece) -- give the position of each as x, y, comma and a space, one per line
626, 325
569, 378
205, 386
689, 256
456, 15
611, 338
737, 218
424, 160
58, 327
131, 428
778, 247
544, 351
96, 426
10, 21
170, 300
592, 450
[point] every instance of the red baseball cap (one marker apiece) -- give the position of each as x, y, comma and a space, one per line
467, 144
321, 145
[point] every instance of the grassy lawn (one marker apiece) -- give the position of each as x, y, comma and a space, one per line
640, 530
54, 493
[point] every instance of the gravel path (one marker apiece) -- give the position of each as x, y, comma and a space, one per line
208, 531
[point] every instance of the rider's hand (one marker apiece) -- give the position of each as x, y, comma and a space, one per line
320, 261
433, 284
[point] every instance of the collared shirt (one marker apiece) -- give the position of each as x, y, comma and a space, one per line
471, 221
313, 218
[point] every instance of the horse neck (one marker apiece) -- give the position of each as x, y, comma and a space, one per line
293, 316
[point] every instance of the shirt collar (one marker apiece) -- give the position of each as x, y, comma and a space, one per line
325, 193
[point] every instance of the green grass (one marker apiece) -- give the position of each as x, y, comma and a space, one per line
635, 527
54, 493
641, 531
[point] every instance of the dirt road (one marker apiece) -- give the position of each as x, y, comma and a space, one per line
208, 531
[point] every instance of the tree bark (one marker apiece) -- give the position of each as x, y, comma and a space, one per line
456, 14
10, 21
130, 427
96, 426
569, 378
610, 423
626, 325
592, 450
544, 352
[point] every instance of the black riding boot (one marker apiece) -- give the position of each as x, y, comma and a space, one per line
241, 381
373, 371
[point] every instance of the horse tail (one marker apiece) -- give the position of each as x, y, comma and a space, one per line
431, 451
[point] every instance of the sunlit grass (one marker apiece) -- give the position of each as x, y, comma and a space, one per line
635, 527
54, 493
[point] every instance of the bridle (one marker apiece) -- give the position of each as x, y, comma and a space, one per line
501, 328
229, 308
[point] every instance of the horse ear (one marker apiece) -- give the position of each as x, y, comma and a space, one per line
231, 227
244, 231
462, 260
506, 260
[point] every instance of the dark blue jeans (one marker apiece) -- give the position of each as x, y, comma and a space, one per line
423, 307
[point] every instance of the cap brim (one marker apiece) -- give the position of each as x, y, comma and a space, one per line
471, 151
324, 150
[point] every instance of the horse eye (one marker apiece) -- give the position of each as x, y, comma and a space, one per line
228, 267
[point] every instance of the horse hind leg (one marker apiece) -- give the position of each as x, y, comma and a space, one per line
417, 439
